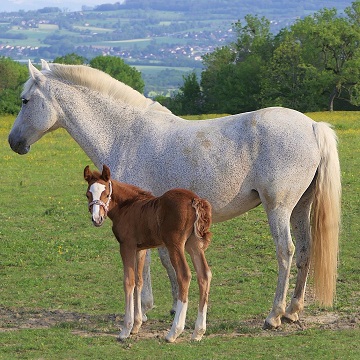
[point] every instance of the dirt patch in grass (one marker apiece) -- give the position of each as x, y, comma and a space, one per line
110, 324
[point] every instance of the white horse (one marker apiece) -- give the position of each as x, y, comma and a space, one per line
275, 156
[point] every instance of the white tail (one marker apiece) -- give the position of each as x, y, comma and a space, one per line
326, 211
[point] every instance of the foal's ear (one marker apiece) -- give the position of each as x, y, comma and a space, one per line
105, 173
87, 173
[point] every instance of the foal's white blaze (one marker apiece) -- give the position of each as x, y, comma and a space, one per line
96, 190
179, 321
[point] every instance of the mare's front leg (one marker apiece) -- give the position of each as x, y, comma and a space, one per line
194, 247
138, 316
166, 262
279, 220
147, 299
128, 255
183, 275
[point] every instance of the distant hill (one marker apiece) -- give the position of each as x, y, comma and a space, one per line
152, 35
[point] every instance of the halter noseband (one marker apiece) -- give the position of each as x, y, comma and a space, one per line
105, 206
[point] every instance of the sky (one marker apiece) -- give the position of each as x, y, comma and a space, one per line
71, 5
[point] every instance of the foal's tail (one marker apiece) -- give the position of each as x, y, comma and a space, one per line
203, 220
325, 214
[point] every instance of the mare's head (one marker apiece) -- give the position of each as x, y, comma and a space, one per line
38, 114
98, 193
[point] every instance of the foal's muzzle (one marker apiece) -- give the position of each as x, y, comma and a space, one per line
98, 221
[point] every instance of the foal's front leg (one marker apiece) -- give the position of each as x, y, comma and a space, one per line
129, 262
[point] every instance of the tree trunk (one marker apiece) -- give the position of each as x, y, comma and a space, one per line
333, 95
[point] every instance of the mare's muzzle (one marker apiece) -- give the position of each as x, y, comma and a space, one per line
18, 145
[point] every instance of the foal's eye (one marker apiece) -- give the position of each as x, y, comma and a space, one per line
24, 101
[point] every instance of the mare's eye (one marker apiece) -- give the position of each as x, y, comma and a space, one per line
24, 101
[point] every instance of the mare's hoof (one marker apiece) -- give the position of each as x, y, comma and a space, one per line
121, 339
172, 312
170, 339
286, 320
268, 326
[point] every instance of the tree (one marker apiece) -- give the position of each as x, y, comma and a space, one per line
188, 101
330, 44
13, 75
118, 69
232, 78
212, 79
291, 82
71, 59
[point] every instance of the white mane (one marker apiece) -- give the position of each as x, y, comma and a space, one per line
103, 83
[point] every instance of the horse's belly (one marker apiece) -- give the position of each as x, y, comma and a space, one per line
238, 206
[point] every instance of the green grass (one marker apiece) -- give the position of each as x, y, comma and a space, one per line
57, 269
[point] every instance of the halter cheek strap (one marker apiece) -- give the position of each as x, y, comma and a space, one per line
105, 206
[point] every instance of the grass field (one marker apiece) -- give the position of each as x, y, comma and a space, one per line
61, 278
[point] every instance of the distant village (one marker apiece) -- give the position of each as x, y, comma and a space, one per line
187, 52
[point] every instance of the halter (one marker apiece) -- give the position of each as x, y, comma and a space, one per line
105, 206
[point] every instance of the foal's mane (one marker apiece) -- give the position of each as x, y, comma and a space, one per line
97, 80
131, 190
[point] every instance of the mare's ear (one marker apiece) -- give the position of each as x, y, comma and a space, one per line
45, 65
105, 173
87, 173
36, 74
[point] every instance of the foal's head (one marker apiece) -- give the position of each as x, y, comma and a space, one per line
98, 193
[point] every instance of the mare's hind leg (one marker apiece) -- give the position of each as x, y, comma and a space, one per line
194, 248
166, 262
279, 221
183, 274
300, 221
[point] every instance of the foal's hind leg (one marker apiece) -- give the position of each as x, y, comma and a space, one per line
183, 276
300, 221
194, 248
279, 220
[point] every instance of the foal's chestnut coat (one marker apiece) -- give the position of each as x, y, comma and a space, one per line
178, 219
